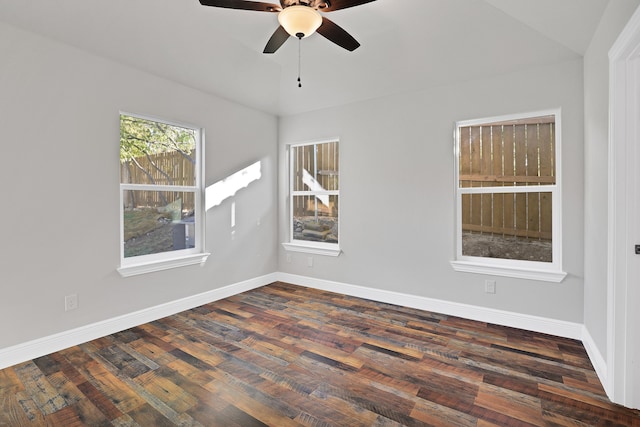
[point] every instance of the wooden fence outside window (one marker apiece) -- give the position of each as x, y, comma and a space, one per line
169, 168
315, 169
510, 154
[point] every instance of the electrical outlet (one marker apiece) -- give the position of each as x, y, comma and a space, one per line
289, 258
490, 286
70, 302
310, 261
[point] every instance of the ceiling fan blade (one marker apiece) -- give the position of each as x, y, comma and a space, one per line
343, 4
243, 4
336, 34
277, 39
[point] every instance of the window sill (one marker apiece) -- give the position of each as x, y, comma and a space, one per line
316, 250
143, 268
520, 273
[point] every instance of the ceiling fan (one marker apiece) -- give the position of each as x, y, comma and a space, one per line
298, 18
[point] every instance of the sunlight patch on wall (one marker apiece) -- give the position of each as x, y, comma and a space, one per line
216, 193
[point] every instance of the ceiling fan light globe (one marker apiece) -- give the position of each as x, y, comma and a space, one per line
299, 19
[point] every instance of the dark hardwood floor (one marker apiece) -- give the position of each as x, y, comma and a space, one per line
284, 355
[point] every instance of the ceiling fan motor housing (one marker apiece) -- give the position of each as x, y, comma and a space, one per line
314, 4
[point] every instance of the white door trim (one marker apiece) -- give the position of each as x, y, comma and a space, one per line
622, 277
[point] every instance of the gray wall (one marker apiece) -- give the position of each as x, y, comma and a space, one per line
60, 201
596, 100
397, 229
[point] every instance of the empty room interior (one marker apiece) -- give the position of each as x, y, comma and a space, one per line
383, 213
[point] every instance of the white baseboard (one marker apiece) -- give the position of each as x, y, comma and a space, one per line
499, 317
39, 347
597, 360
32, 349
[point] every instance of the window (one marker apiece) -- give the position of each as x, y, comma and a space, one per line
508, 202
161, 210
314, 198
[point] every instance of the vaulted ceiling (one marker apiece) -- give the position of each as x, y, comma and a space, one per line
406, 44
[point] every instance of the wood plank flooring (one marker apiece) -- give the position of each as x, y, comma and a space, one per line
283, 355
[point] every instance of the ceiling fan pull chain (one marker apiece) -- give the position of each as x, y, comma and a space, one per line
299, 59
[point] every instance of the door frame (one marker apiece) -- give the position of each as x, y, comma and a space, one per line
622, 381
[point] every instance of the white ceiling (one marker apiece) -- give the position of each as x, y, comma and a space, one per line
406, 44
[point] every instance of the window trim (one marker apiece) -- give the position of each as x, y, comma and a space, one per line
534, 270
179, 258
304, 246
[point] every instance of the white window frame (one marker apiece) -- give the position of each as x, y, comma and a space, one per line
179, 258
316, 248
534, 270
